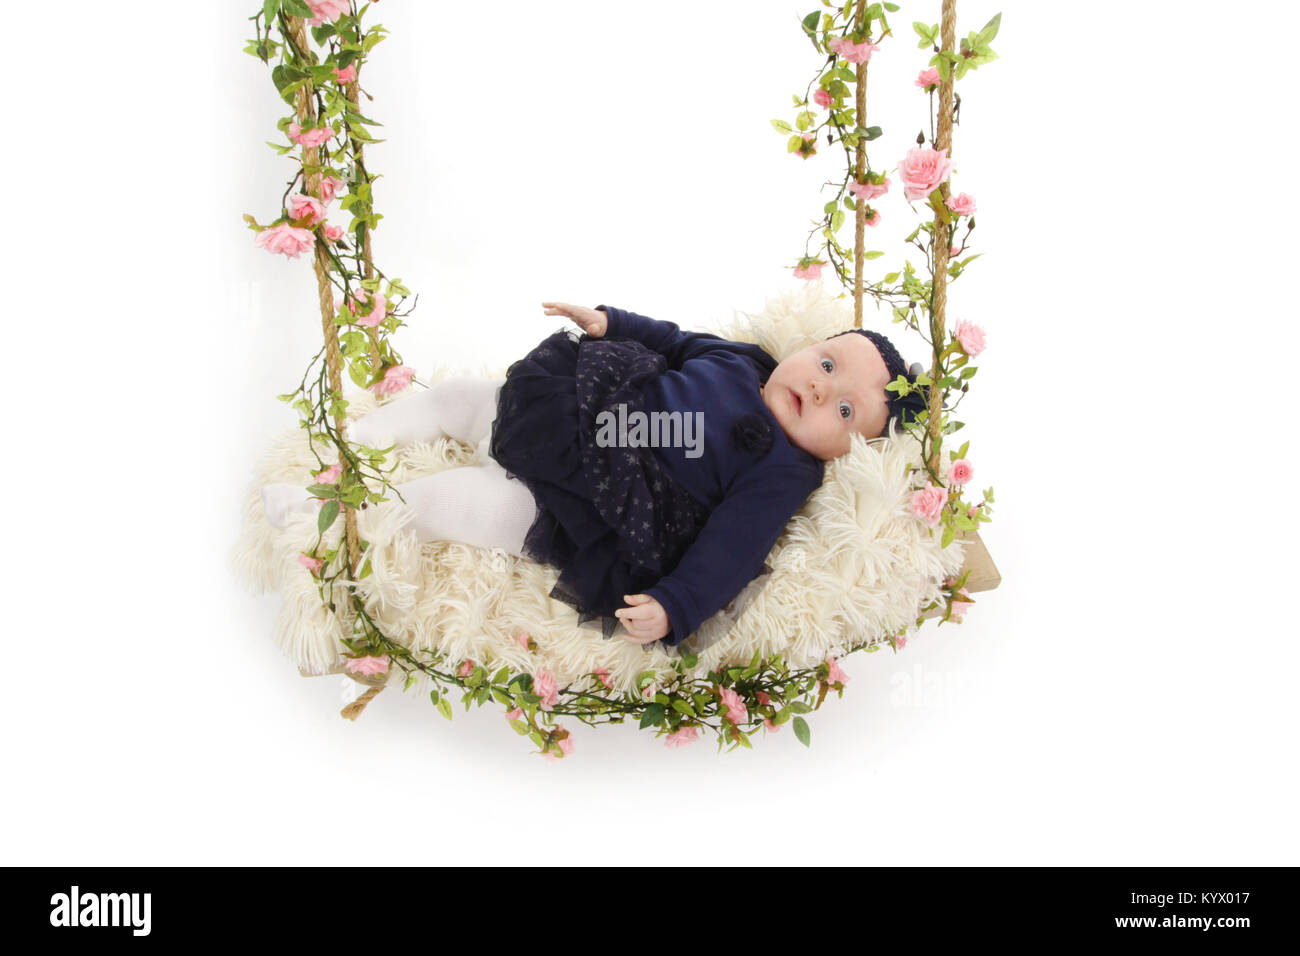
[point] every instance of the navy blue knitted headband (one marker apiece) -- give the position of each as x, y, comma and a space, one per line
904, 408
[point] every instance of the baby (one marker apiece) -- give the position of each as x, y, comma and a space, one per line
649, 540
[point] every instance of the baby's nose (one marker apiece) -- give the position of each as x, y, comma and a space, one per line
816, 388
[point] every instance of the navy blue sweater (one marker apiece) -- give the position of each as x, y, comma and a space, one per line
752, 493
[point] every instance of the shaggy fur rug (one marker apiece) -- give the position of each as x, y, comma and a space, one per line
852, 568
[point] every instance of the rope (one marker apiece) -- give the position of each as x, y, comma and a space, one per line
353, 710
860, 213
942, 239
305, 107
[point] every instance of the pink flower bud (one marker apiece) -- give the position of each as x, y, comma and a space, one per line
287, 239
971, 337
927, 504
962, 205
922, 170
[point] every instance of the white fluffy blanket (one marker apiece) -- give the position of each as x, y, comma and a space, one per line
852, 568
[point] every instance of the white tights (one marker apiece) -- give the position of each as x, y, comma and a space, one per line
477, 505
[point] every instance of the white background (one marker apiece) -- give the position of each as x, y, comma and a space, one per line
1125, 697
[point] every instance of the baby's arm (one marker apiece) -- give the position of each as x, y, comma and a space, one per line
731, 547
662, 337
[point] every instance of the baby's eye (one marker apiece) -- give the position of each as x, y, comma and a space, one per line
826, 362
846, 410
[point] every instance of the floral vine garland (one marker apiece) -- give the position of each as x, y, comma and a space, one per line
846, 37
327, 134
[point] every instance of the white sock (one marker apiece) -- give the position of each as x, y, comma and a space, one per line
477, 505
462, 408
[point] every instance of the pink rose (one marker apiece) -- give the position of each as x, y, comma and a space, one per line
971, 337
466, 668
854, 52
330, 186
682, 736
922, 170
901, 641
962, 205
329, 475
311, 564
960, 603
736, 712
310, 137
348, 74
525, 639
285, 238
812, 270
954, 251
333, 233
928, 77
823, 99
544, 686
960, 472
763, 698
874, 218
370, 664
378, 307
514, 714
772, 728
836, 676
927, 504
869, 190
974, 510
327, 10
302, 206
565, 745
603, 676
809, 146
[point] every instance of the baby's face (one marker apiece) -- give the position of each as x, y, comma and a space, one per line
828, 391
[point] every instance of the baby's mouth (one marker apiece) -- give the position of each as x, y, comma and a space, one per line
798, 402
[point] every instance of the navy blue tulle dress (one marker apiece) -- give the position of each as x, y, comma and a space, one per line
590, 499
688, 524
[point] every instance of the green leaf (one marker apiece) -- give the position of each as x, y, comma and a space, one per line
519, 727
891, 7
654, 714
802, 732
990, 30
872, 254
809, 22
683, 708
297, 8
411, 678
444, 707
328, 512
892, 277
871, 132
941, 62
433, 696
799, 707
269, 9
949, 535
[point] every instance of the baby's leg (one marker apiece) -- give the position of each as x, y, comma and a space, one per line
462, 408
478, 505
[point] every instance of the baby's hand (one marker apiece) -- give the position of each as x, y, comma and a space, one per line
646, 620
592, 321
